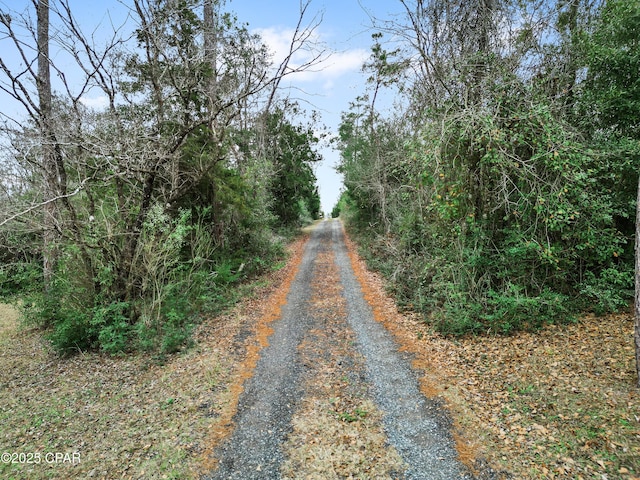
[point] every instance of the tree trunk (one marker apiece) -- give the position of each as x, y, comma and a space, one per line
43, 84
637, 297
211, 52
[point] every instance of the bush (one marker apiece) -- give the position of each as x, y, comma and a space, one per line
111, 324
72, 333
19, 277
608, 292
512, 222
514, 310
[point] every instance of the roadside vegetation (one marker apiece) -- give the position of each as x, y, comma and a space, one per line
558, 403
128, 416
496, 194
497, 199
121, 225
499, 193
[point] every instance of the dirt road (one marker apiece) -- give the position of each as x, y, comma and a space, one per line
331, 396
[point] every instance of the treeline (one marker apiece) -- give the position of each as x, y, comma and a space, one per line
499, 193
120, 224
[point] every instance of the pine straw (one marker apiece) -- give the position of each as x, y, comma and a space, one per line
337, 431
558, 403
126, 417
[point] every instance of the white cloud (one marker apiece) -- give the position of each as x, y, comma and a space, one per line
341, 63
333, 66
277, 40
97, 103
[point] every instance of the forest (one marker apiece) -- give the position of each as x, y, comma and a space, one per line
120, 225
498, 192
490, 168
156, 247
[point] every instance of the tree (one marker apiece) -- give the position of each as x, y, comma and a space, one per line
40, 109
50, 163
42, 140
612, 99
636, 334
150, 196
293, 189
489, 205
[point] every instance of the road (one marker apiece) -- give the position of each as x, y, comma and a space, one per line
326, 310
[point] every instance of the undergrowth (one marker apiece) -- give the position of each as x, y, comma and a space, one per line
185, 279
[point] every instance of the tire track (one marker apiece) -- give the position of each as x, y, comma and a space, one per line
263, 417
337, 430
416, 427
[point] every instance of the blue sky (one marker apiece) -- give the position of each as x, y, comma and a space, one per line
344, 30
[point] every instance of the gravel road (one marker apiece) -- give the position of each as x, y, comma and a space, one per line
416, 426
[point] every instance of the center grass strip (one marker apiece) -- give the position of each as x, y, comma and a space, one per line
337, 430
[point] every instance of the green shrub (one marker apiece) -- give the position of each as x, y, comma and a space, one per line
513, 310
72, 333
496, 219
19, 277
111, 324
608, 292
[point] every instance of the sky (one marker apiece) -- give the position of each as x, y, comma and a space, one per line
344, 29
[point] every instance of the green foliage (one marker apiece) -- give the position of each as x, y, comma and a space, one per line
350, 417
611, 97
112, 325
184, 274
293, 187
610, 100
610, 291
72, 333
75, 326
496, 216
187, 188
512, 309
18, 277
170, 331
341, 206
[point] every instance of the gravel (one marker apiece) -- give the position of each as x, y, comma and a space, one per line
270, 397
416, 426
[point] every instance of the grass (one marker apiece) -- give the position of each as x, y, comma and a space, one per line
128, 416
121, 416
558, 403
337, 430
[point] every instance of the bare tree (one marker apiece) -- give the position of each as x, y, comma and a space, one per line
302, 40
636, 333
